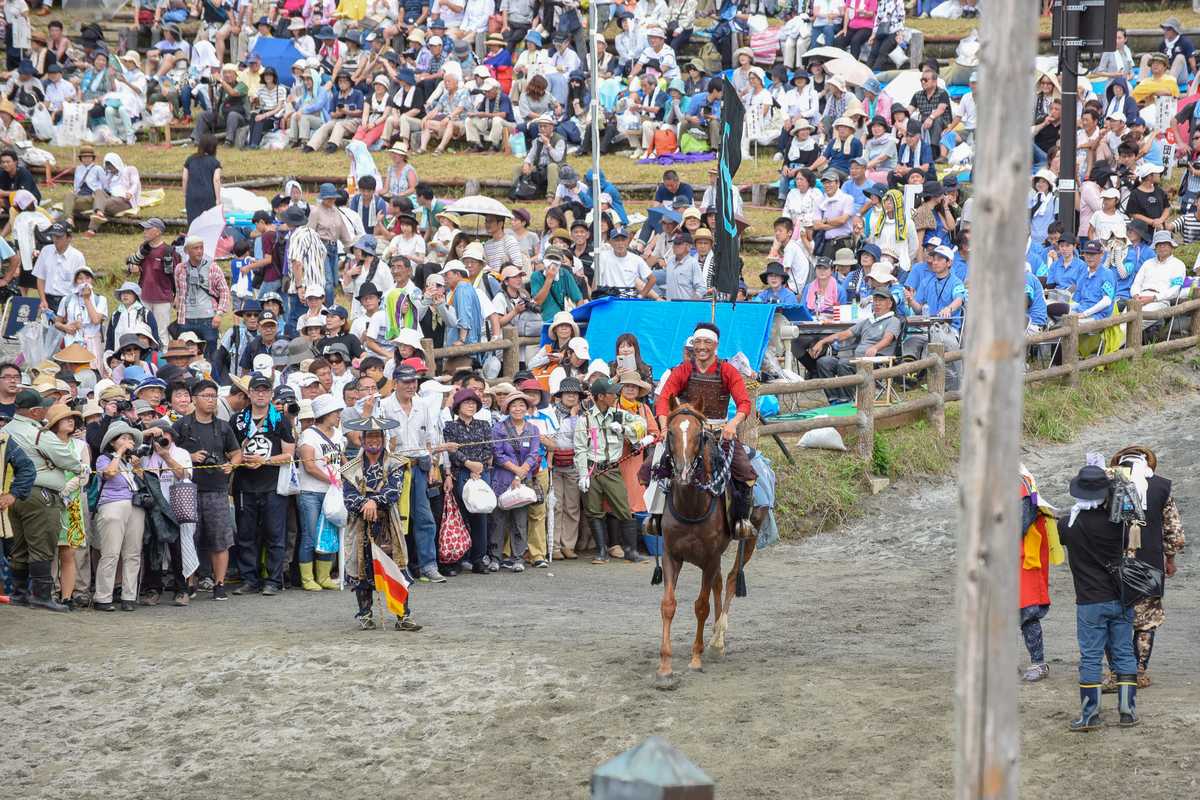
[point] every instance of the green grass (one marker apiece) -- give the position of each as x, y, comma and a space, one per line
824, 489
1148, 16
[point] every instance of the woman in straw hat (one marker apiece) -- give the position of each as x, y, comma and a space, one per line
67, 425
634, 391
517, 452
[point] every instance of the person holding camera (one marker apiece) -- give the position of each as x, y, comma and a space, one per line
267, 441
119, 523
1103, 621
172, 464
215, 453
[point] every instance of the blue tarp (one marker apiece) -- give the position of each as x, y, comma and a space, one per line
280, 54
662, 328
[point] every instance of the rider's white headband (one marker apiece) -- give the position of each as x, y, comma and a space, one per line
705, 333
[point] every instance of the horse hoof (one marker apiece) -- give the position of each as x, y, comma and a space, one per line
695, 669
666, 683
716, 649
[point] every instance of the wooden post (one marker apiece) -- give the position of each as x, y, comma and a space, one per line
937, 387
1133, 329
512, 353
1069, 348
1196, 323
430, 367
987, 737
864, 401
749, 432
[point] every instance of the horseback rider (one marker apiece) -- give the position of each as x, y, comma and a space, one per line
707, 384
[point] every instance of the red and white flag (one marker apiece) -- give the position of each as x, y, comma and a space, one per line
390, 580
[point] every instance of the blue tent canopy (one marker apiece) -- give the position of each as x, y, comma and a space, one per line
662, 328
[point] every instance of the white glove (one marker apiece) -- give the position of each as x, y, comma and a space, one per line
646, 441
584, 483
616, 427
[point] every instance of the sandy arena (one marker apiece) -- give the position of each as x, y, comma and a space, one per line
838, 682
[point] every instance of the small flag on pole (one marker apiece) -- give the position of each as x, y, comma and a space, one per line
390, 580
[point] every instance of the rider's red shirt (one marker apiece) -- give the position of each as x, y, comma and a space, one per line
677, 382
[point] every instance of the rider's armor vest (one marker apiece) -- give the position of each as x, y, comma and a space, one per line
706, 393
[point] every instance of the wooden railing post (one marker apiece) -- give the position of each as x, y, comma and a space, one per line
937, 387
1196, 322
1069, 349
512, 352
749, 427
430, 366
865, 403
1133, 329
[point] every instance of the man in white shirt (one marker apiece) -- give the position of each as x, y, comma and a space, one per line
621, 271
564, 59
56, 267
657, 51
57, 91
1160, 279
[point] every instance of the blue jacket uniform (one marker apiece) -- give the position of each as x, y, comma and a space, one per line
1062, 275
1135, 256
1094, 287
1037, 300
938, 293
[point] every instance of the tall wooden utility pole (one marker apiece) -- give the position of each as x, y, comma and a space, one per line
986, 689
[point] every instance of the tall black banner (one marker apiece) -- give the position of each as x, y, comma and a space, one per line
727, 271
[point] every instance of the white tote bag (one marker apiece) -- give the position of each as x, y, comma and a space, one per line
478, 497
288, 483
334, 506
517, 497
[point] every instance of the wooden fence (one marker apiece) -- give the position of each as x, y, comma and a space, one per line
870, 416
509, 345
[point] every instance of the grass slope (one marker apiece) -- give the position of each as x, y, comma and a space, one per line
822, 490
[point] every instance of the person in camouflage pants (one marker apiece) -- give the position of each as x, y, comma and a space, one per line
1162, 539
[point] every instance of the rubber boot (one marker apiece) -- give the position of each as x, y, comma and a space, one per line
20, 595
600, 534
42, 594
613, 526
742, 505
629, 534
322, 569
1089, 711
1127, 687
306, 577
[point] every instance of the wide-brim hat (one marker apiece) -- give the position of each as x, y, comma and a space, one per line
570, 384
399, 148
369, 424
496, 39
410, 337
632, 378
58, 412
773, 268
119, 428
565, 318
74, 354
1135, 450
509, 398
298, 349
1092, 483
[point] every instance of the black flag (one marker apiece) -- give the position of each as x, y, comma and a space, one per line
727, 271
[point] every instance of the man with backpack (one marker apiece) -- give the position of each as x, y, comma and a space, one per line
538, 173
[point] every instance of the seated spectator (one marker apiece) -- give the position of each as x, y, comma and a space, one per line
869, 337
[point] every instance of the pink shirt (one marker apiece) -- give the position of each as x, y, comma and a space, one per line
862, 13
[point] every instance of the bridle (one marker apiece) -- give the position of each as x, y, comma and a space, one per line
715, 466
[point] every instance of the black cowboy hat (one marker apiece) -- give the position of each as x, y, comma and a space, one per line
773, 268
1092, 483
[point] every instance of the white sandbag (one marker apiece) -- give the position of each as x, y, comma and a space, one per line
823, 439
235, 199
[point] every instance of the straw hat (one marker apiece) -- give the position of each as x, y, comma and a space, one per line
507, 400
119, 428
565, 318
631, 378
1136, 450
58, 412
73, 354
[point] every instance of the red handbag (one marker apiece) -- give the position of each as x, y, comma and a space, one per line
454, 541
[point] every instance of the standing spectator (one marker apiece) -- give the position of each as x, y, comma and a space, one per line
35, 516
213, 445
472, 459
319, 445
568, 409
119, 522
517, 457
56, 267
202, 178
684, 279
266, 442
201, 295
154, 265
172, 464
331, 227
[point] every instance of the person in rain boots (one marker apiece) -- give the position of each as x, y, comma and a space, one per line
15, 488
599, 441
1101, 619
37, 519
376, 485
1161, 539
1040, 547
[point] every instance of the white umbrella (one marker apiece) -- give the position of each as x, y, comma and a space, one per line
478, 204
849, 70
906, 84
827, 52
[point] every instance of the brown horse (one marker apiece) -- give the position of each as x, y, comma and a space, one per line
695, 531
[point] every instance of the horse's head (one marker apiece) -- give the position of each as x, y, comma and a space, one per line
685, 441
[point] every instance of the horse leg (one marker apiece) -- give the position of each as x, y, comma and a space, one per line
701, 619
665, 679
722, 624
719, 622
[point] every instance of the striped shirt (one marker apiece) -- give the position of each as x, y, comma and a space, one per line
305, 246
499, 254
1188, 227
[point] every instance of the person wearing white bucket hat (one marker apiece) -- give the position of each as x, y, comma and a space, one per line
319, 446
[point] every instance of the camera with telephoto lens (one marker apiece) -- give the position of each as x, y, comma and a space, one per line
1124, 503
123, 406
143, 450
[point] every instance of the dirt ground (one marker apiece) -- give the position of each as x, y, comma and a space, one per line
838, 682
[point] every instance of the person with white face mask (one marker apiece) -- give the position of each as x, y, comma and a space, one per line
82, 316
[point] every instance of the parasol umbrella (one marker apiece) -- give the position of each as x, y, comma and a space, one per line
827, 52
478, 204
849, 70
905, 84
